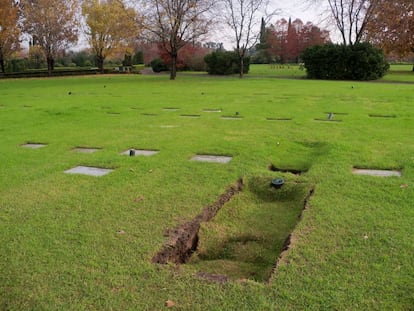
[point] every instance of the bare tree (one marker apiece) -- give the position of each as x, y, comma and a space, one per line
244, 18
175, 23
350, 17
52, 24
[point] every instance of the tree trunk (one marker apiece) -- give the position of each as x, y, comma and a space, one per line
241, 61
413, 67
100, 63
3, 69
173, 73
50, 65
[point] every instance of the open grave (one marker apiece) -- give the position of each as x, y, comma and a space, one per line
89, 170
242, 235
140, 152
211, 158
377, 173
33, 145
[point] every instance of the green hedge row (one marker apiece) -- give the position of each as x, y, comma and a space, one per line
360, 61
59, 72
44, 73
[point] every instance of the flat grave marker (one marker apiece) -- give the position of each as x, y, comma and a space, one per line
34, 145
89, 170
168, 126
140, 152
377, 173
211, 158
190, 115
385, 116
86, 149
278, 119
212, 110
231, 117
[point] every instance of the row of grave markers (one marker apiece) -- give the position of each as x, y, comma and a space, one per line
236, 116
97, 171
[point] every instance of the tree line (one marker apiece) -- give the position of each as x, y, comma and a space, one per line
52, 26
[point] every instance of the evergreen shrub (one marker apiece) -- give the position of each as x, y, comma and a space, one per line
359, 61
225, 63
158, 65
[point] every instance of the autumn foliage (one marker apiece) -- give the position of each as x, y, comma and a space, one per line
191, 57
9, 30
284, 41
392, 29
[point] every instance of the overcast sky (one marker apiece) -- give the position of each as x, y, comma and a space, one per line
296, 9
288, 9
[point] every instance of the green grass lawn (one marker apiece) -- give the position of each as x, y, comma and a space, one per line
74, 242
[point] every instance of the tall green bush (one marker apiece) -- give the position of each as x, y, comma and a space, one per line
158, 65
225, 63
360, 61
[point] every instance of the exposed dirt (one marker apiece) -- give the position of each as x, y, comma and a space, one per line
183, 240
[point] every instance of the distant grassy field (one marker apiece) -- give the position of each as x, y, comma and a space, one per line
75, 242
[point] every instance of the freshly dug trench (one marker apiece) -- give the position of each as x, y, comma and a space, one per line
184, 239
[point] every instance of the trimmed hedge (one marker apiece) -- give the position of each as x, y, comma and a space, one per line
225, 63
360, 61
42, 73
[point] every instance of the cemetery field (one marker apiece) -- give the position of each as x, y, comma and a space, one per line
70, 241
